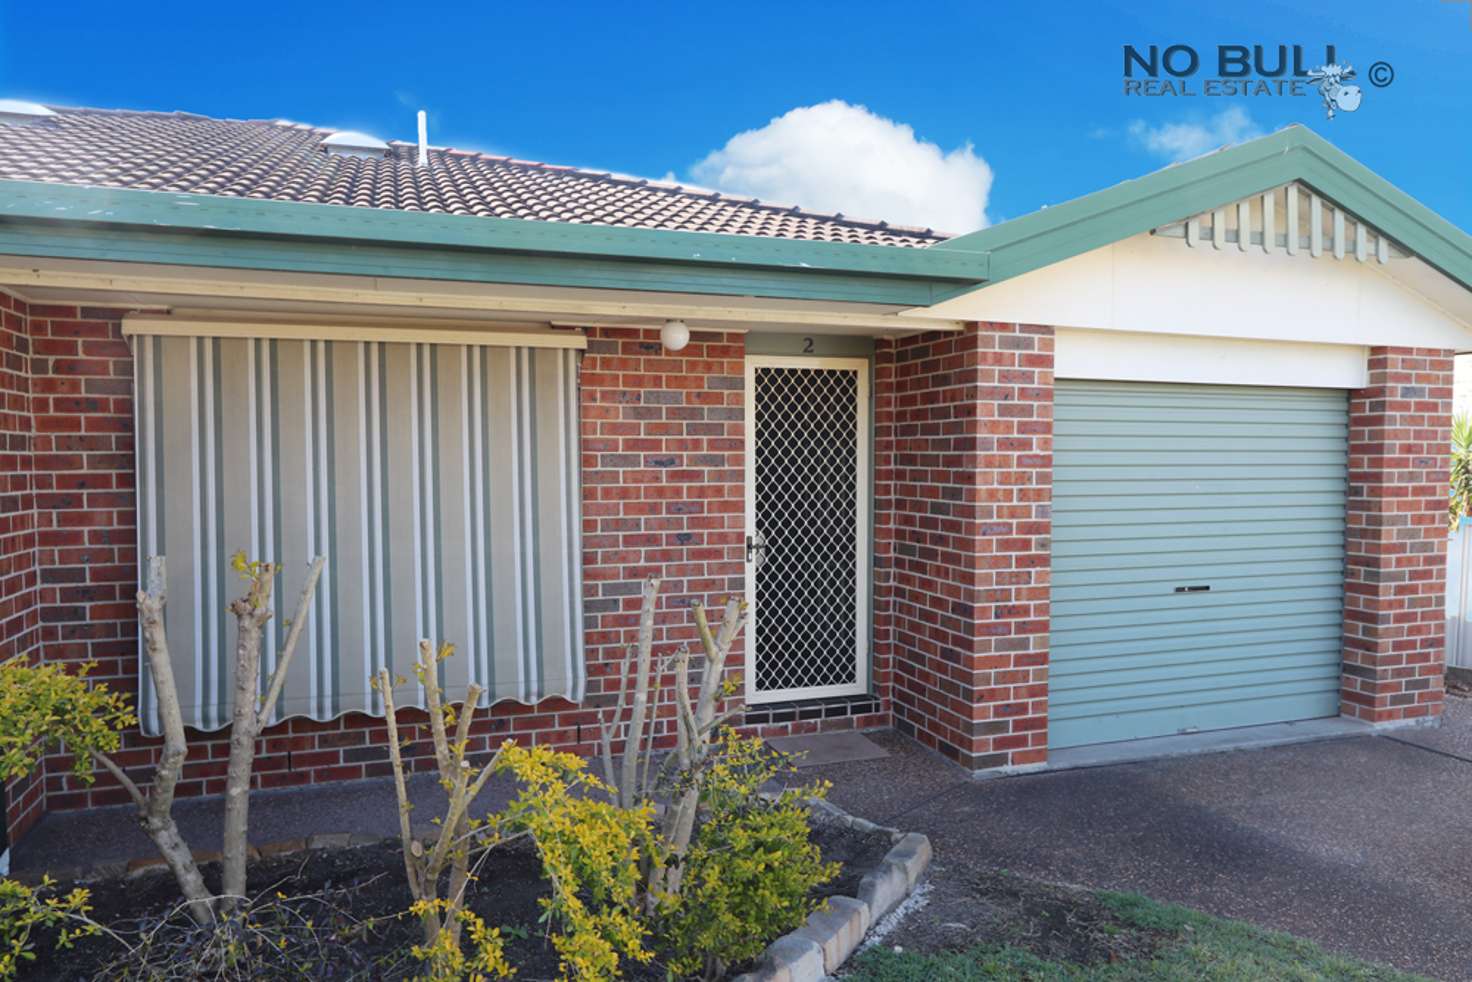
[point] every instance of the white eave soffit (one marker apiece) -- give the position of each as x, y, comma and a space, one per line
1291, 219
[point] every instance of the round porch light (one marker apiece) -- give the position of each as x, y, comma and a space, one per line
674, 335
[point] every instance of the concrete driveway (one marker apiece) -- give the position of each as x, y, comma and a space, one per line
1363, 844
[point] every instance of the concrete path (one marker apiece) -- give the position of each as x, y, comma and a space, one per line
66, 841
1363, 844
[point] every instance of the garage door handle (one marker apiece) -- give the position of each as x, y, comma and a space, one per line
1193, 589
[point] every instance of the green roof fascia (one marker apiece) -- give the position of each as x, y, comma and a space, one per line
206, 230
281, 254
1211, 181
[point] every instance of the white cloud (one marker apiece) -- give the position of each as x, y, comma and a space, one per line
1182, 141
837, 157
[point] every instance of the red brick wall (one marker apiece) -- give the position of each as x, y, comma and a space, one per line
964, 545
662, 449
18, 634
81, 384
963, 430
1395, 579
663, 487
19, 617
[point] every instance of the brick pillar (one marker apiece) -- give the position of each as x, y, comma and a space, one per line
969, 528
1395, 537
18, 627
82, 400
663, 487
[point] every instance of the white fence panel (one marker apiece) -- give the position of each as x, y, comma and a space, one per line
1458, 594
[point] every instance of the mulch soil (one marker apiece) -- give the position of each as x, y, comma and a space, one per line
506, 896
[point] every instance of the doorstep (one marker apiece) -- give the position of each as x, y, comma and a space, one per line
1213, 741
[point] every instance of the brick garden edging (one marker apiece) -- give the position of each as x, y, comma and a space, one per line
830, 935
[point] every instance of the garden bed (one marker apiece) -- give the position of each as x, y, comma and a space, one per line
368, 882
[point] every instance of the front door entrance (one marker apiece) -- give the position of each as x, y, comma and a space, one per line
807, 514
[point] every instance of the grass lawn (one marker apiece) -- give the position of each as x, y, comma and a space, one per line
1155, 941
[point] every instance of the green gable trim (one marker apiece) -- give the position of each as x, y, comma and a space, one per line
1292, 154
671, 255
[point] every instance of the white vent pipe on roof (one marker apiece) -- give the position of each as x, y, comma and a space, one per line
423, 139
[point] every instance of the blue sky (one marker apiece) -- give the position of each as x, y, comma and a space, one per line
1034, 89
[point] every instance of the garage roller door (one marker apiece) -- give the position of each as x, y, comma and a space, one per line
1198, 558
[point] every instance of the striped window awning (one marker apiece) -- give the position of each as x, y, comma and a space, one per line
440, 480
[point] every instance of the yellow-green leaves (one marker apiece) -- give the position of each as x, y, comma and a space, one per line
258, 573
590, 851
43, 705
446, 961
23, 908
751, 868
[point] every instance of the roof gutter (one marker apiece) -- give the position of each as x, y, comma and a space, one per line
23, 202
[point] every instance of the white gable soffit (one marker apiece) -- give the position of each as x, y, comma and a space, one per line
1158, 282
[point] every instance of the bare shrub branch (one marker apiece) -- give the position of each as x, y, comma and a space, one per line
697, 721
155, 807
458, 833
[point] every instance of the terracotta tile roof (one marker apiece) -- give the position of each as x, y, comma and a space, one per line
284, 161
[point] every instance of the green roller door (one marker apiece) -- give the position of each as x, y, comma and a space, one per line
1198, 558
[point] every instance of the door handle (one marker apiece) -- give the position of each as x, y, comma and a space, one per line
755, 546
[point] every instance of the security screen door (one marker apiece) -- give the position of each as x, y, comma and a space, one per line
807, 514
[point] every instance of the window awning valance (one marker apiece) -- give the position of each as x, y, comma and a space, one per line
376, 328
439, 480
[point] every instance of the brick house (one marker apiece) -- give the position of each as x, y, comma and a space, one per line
1164, 459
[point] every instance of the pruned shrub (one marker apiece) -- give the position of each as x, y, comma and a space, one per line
443, 917
735, 868
640, 773
750, 872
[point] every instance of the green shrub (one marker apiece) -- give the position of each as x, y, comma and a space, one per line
751, 869
44, 705
591, 851
446, 961
23, 909
1459, 498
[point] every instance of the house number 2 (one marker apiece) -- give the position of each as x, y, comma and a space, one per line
807, 346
